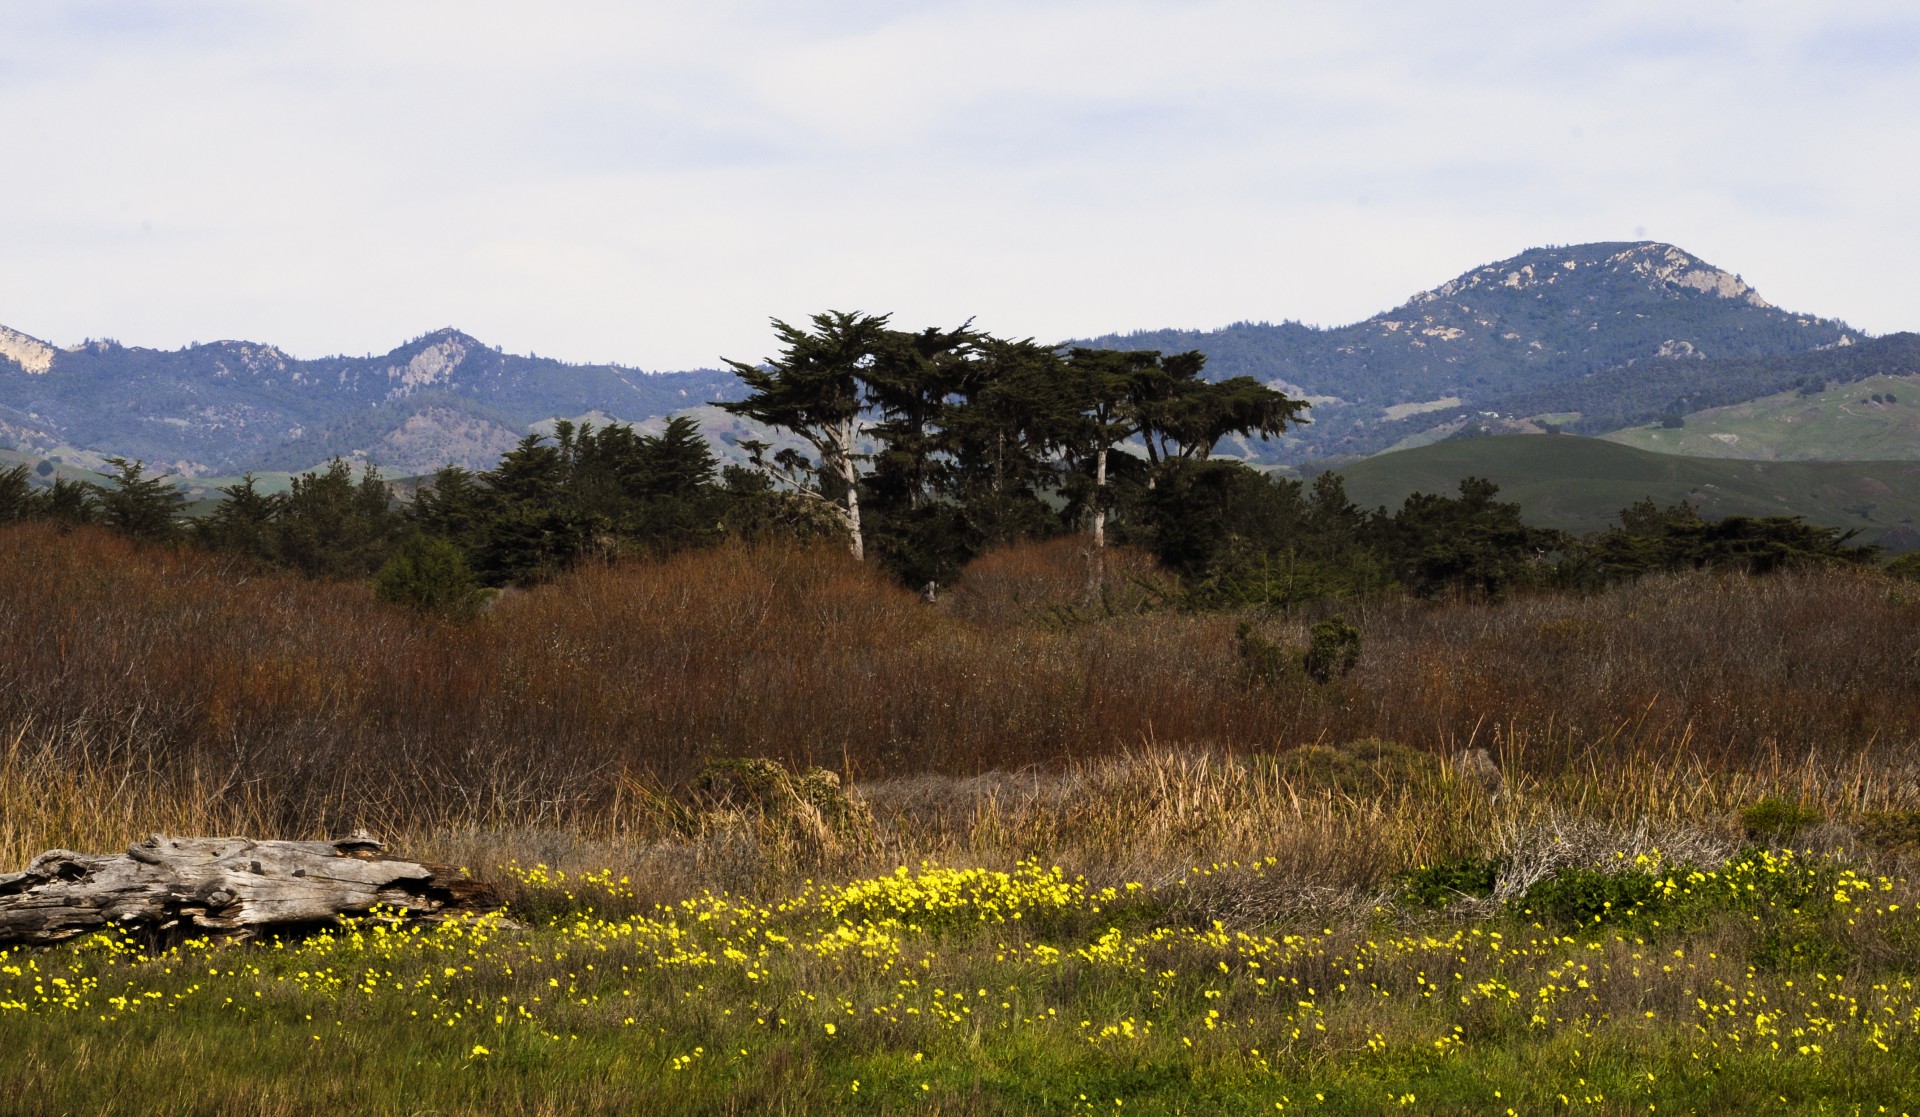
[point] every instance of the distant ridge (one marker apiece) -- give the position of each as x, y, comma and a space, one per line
227, 406
1618, 332
1522, 325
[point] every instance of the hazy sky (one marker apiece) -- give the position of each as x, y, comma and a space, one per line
649, 182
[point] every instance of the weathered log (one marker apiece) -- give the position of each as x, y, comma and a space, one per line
167, 889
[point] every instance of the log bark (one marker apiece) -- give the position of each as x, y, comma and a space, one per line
168, 889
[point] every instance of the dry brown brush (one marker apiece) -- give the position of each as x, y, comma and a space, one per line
145, 688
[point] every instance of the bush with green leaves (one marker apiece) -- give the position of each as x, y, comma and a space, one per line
430, 574
1333, 649
1437, 885
1774, 819
1587, 897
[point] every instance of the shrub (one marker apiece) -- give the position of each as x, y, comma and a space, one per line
1334, 649
1891, 831
430, 574
1262, 662
1774, 819
1906, 567
813, 799
1586, 897
1435, 886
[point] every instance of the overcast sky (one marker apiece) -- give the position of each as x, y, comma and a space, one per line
649, 182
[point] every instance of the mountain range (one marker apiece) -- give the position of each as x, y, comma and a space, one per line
228, 406
1593, 338
1557, 331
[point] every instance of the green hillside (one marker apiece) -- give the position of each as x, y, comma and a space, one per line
43, 471
1876, 419
1580, 484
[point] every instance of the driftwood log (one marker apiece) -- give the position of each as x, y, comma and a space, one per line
168, 889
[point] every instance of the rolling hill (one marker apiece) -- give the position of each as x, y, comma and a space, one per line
1580, 484
1876, 419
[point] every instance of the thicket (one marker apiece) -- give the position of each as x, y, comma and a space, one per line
315, 705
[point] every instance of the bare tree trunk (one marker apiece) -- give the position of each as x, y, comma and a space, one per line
169, 888
836, 453
1097, 562
1100, 500
854, 541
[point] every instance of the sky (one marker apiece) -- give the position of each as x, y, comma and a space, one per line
649, 183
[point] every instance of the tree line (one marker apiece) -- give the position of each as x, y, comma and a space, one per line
919, 450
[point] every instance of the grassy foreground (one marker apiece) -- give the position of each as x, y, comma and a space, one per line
1771, 983
1137, 879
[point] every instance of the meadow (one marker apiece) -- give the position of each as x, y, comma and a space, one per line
1080, 858
1580, 484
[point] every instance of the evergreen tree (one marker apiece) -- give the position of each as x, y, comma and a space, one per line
1001, 430
916, 532
18, 501
242, 524
1101, 411
137, 505
454, 506
1469, 543
1650, 538
70, 502
1185, 417
530, 534
814, 391
330, 526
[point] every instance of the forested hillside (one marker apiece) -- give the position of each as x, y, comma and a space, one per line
230, 406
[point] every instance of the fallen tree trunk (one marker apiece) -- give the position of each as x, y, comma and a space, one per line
167, 889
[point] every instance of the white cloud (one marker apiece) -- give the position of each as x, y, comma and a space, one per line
647, 182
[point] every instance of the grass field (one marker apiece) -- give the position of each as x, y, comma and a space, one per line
1008, 992
1083, 863
1581, 484
1876, 419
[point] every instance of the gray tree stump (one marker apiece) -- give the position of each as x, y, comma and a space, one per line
173, 888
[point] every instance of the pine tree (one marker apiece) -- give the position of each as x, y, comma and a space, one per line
137, 505
330, 526
814, 390
18, 501
242, 524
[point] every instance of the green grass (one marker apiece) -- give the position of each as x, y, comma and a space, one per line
1019, 992
1580, 484
1841, 424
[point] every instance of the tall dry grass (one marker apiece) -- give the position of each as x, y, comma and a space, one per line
144, 688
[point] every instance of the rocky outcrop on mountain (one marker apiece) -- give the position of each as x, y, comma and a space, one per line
1548, 316
32, 355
